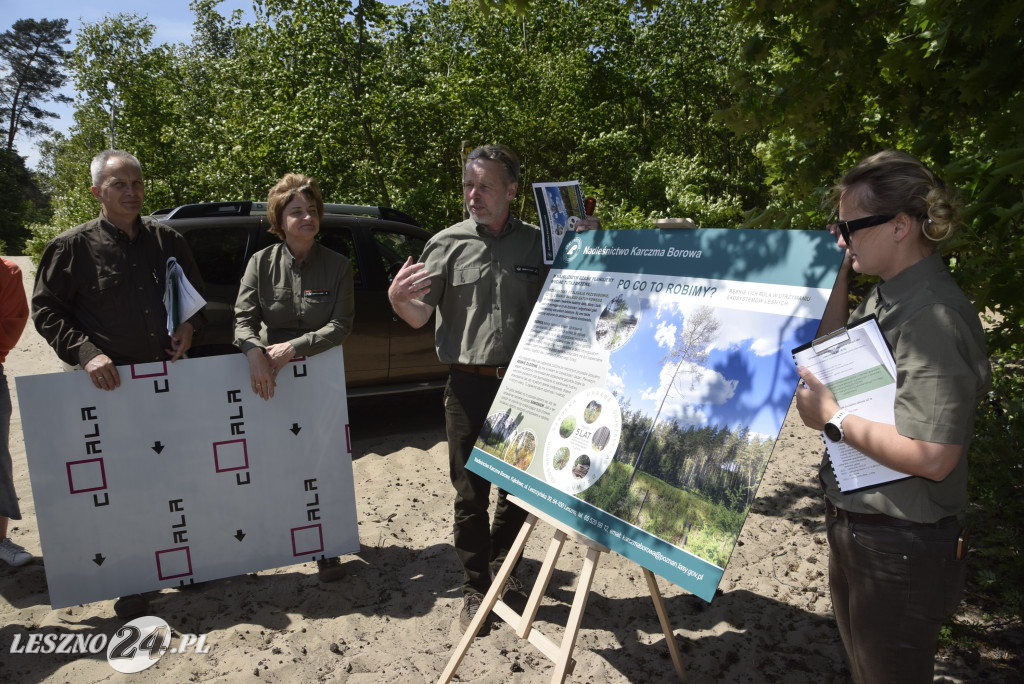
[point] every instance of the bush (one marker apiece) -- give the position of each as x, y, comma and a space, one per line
40, 235
996, 491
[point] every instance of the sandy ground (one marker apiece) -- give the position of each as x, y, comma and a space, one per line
394, 617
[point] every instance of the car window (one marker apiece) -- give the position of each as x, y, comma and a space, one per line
339, 239
395, 247
219, 252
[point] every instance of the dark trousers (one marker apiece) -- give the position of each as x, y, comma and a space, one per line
480, 545
8, 498
892, 589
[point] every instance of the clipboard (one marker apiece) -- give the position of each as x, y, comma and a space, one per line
857, 364
840, 335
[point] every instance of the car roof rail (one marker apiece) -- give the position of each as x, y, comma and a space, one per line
248, 208
208, 209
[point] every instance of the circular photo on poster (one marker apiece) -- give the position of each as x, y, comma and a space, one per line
575, 461
498, 431
520, 450
617, 322
581, 466
567, 427
560, 458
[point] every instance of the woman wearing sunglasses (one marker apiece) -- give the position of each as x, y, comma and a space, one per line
896, 551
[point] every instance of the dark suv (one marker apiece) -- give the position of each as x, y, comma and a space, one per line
383, 354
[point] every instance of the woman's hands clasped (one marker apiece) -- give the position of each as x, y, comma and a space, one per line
264, 365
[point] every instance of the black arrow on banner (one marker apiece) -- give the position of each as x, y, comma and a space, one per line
295, 428
240, 535
157, 447
98, 559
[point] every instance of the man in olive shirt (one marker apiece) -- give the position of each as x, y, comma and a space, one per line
98, 298
482, 276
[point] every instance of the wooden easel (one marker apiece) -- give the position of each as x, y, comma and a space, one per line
560, 654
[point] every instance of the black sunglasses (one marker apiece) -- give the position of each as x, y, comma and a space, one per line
848, 228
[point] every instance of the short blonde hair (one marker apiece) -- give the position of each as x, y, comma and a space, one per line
284, 191
894, 182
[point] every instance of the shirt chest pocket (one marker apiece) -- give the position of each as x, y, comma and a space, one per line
279, 305
105, 298
466, 285
467, 275
107, 294
317, 306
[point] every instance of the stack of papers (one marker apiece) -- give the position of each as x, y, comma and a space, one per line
181, 300
856, 364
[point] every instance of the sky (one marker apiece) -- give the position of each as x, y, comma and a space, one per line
172, 18
748, 379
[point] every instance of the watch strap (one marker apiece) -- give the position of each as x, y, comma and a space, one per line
836, 421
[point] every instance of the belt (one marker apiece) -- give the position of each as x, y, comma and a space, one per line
488, 371
880, 518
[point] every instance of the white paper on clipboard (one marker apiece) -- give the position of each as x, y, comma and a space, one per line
856, 364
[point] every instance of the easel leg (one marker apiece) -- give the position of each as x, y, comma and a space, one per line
564, 661
560, 655
666, 627
489, 599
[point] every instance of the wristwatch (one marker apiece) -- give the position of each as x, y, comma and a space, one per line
834, 426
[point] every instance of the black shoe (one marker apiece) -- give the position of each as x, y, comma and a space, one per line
329, 569
470, 607
513, 585
131, 607
512, 594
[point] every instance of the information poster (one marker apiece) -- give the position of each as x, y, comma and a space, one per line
650, 386
182, 474
559, 207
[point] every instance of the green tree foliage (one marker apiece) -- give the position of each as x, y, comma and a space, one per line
21, 202
31, 73
121, 81
31, 63
830, 82
375, 101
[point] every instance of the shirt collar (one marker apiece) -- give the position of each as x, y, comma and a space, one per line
311, 257
908, 281
510, 225
116, 233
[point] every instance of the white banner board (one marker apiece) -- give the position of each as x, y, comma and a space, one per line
183, 474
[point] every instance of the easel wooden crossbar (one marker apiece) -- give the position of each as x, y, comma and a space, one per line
560, 654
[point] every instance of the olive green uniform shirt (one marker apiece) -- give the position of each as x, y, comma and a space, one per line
942, 372
311, 305
484, 288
